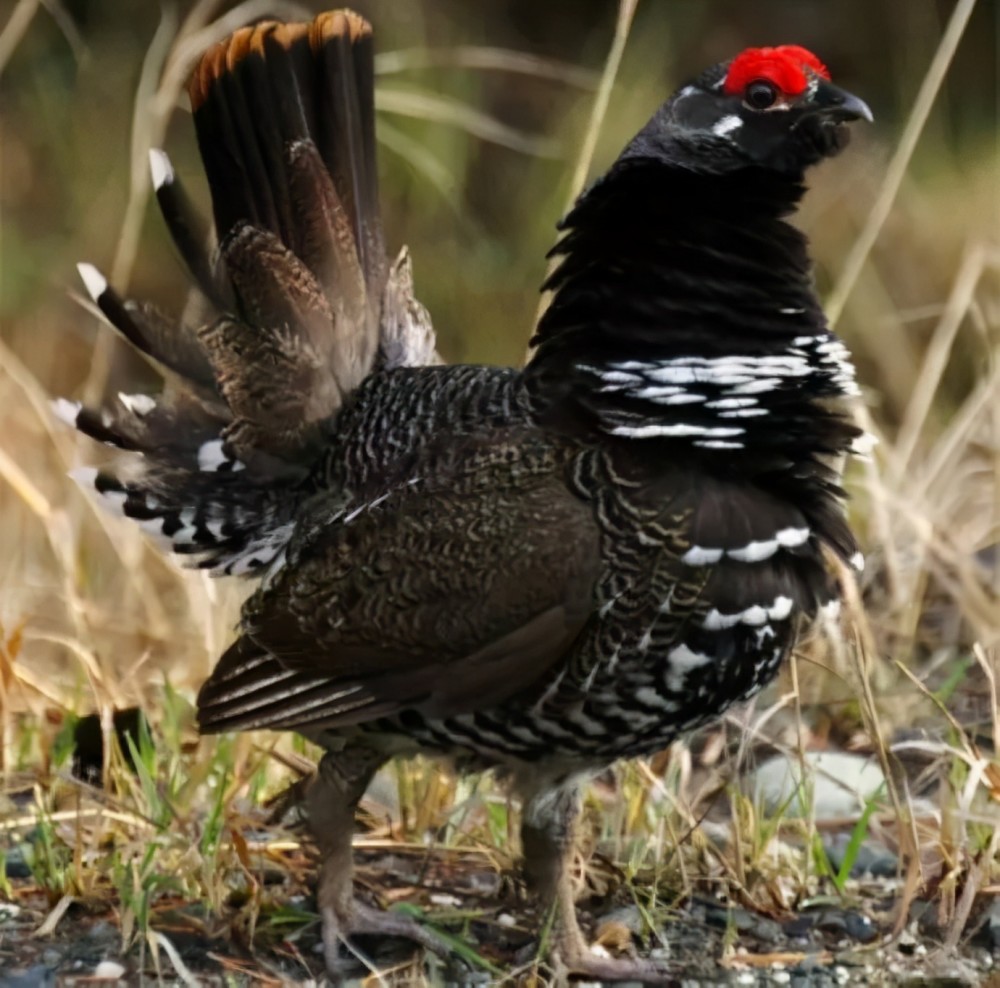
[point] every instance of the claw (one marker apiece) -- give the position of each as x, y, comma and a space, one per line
583, 963
365, 920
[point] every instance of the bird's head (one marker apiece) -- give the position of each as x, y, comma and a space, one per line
774, 108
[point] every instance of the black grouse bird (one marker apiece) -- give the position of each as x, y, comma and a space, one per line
543, 569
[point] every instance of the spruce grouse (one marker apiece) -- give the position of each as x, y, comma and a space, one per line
543, 569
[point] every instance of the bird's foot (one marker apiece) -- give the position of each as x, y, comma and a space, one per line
578, 961
365, 920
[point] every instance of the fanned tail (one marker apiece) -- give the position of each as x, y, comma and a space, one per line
294, 307
285, 120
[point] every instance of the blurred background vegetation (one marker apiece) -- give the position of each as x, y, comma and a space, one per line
483, 110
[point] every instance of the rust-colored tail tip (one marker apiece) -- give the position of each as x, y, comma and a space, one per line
224, 56
339, 23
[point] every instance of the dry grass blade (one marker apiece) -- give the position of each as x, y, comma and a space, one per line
989, 670
66, 24
978, 258
486, 59
425, 105
941, 463
181, 969
859, 661
24, 487
52, 920
900, 162
421, 158
15, 29
128, 238
623, 27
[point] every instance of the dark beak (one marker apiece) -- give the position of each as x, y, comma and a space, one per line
839, 105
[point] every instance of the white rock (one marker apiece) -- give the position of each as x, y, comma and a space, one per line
837, 784
109, 971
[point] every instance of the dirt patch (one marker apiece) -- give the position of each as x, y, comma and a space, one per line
270, 936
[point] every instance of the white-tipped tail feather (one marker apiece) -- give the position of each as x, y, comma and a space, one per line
65, 410
160, 169
137, 404
95, 282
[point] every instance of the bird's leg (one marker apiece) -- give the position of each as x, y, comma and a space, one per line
331, 801
547, 831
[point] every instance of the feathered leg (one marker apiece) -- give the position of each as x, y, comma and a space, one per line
331, 801
548, 828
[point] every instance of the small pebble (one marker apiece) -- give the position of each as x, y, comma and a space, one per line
15, 865
768, 930
627, 916
109, 971
872, 858
808, 964
39, 976
800, 926
859, 927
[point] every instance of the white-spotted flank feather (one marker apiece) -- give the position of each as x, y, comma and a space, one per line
755, 615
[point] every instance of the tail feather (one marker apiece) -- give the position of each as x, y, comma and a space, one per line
172, 429
348, 80
173, 346
285, 120
189, 233
294, 308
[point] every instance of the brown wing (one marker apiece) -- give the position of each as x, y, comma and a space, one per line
443, 595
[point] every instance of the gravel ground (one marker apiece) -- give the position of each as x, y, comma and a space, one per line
822, 947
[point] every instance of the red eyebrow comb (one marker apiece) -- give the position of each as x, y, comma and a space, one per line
785, 66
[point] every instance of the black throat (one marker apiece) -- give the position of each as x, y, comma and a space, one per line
684, 313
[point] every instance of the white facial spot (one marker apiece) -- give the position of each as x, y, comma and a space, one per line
727, 125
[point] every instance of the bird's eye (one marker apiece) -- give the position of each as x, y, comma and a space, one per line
761, 94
